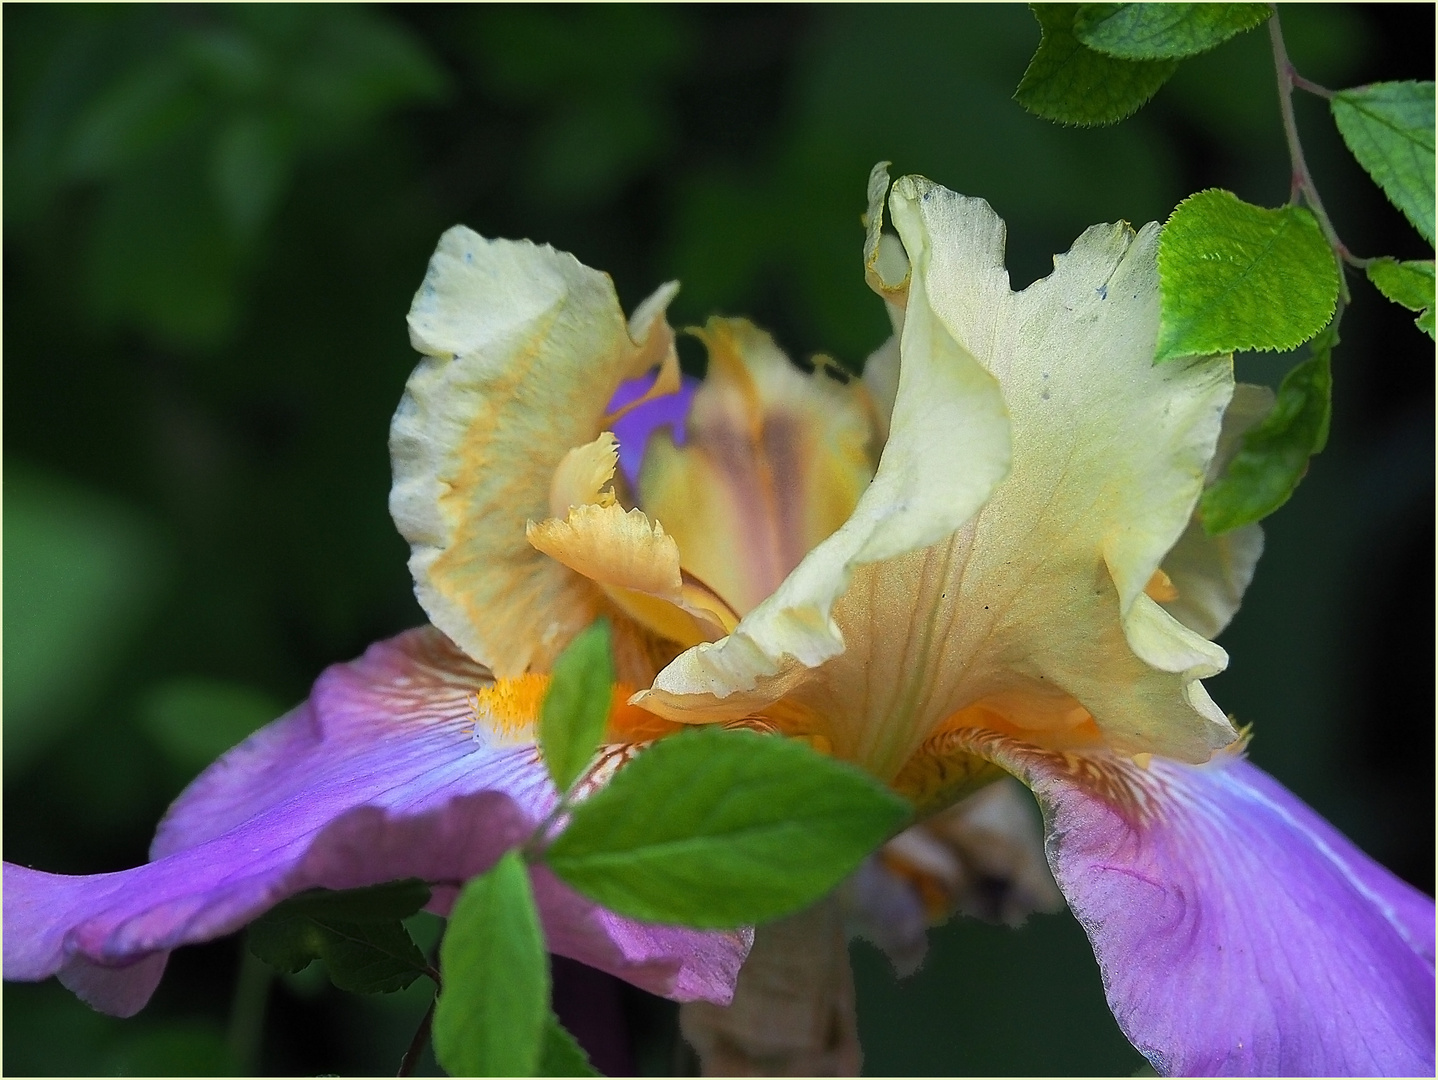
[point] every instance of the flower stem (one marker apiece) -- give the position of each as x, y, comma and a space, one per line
247, 1013
1302, 180
410, 1061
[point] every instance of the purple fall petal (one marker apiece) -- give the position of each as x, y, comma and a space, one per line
377, 777
1237, 932
634, 427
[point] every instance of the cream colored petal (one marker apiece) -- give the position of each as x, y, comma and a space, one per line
524, 348
886, 269
1110, 455
1211, 573
886, 262
948, 448
1042, 592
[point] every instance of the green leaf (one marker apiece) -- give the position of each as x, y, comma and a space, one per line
1274, 455
1409, 284
1071, 84
491, 1015
576, 706
1237, 276
560, 1055
357, 933
377, 903
723, 828
1389, 128
1163, 31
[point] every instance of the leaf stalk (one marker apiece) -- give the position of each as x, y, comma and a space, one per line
1302, 180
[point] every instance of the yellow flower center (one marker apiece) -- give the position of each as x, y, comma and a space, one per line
509, 709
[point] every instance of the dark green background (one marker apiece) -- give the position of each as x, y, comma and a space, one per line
214, 221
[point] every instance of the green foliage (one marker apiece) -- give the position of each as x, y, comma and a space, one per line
181, 1049
1237, 276
590, 75
1389, 128
190, 131
357, 933
777, 823
81, 572
576, 705
1274, 455
1072, 84
560, 1055
491, 1016
194, 721
1162, 31
1406, 283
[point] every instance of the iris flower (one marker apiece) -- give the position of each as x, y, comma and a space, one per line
980, 558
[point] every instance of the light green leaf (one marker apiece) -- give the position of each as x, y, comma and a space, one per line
1237, 276
1389, 128
576, 706
1071, 84
357, 933
1163, 31
723, 828
1274, 455
491, 1015
1406, 283
560, 1055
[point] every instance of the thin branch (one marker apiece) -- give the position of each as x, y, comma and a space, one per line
1312, 87
1301, 182
410, 1061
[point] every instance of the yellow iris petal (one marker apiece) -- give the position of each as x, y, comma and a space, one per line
774, 461
523, 349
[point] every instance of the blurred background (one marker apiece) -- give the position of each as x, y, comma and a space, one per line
215, 218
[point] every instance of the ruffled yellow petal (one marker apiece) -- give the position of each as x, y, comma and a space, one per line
523, 349
1034, 608
1110, 455
773, 462
948, 449
634, 561
584, 476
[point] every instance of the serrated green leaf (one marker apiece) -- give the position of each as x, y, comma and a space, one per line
1389, 129
560, 1055
1072, 84
362, 957
1406, 283
1163, 31
376, 903
1274, 455
1237, 276
723, 828
356, 932
490, 1017
576, 706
